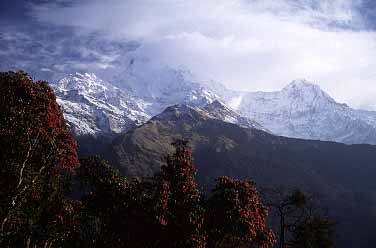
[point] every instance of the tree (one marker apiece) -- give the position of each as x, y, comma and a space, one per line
181, 203
37, 158
105, 200
313, 232
119, 213
302, 221
235, 217
170, 209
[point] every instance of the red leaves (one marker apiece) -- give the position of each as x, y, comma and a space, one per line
37, 152
29, 111
171, 207
183, 206
232, 217
235, 215
162, 203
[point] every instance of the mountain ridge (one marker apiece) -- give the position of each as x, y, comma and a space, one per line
304, 110
300, 110
343, 174
92, 106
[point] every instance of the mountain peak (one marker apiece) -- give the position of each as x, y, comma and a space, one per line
217, 104
181, 112
219, 110
301, 84
306, 91
87, 83
85, 75
93, 106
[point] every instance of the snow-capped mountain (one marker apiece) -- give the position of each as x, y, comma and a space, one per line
92, 106
161, 85
216, 110
303, 110
219, 110
300, 110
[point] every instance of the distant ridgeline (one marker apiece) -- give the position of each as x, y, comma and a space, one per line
93, 106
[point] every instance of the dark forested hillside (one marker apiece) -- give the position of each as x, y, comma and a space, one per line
343, 175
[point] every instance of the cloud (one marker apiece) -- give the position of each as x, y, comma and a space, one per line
247, 44
51, 53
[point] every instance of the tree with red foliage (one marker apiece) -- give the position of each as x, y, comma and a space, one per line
38, 155
235, 217
181, 203
167, 207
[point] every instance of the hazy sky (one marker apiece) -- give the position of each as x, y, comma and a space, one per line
246, 44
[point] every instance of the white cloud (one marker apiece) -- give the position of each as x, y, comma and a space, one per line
249, 45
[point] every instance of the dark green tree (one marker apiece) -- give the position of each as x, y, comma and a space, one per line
313, 232
105, 198
302, 220
120, 212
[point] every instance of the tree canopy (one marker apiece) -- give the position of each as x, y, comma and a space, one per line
37, 158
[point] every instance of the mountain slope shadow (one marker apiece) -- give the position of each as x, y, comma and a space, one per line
342, 174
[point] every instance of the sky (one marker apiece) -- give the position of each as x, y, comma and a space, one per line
252, 45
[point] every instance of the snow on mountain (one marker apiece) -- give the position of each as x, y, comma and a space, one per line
216, 110
219, 110
161, 85
144, 89
303, 110
92, 106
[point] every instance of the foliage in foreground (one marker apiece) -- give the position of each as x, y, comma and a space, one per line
37, 158
170, 209
39, 166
